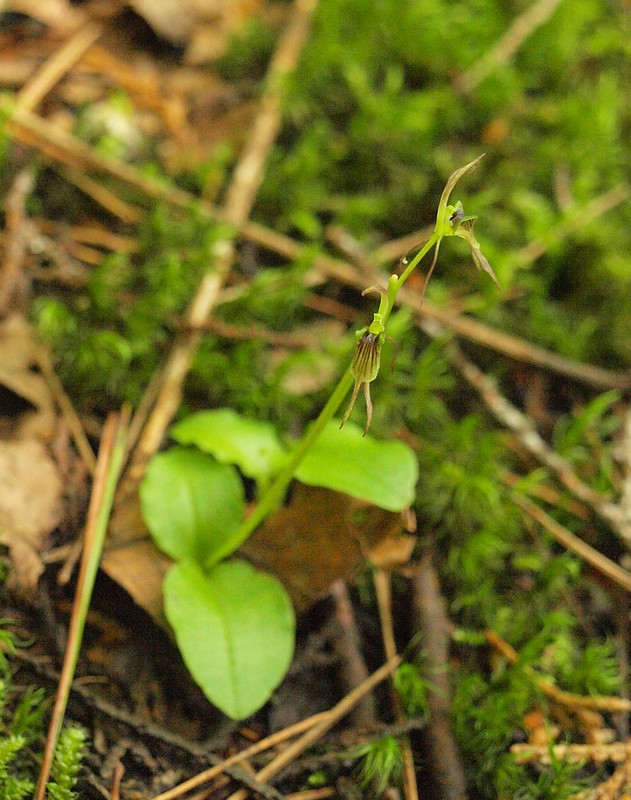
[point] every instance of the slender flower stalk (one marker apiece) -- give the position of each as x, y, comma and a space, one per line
450, 221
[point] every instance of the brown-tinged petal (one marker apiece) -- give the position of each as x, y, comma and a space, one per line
480, 261
453, 179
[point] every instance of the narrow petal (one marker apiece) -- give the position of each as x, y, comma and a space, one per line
481, 263
466, 231
453, 179
368, 407
351, 403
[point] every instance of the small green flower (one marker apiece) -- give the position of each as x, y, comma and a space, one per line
364, 369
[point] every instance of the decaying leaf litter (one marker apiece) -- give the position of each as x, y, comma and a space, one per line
75, 55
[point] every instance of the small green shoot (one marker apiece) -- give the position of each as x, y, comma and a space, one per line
381, 764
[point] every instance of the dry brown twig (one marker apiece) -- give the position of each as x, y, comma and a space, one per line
525, 430
67, 409
506, 47
598, 753
572, 542
566, 699
239, 201
57, 66
383, 590
434, 626
16, 240
348, 644
258, 747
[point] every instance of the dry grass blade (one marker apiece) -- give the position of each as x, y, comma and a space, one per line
57, 66
571, 542
567, 699
108, 468
259, 747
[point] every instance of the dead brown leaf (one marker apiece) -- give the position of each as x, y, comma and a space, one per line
132, 560
30, 508
320, 537
26, 405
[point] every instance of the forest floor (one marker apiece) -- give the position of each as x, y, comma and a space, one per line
129, 162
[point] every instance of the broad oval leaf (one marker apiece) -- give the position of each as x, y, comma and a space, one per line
382, 473
192, 505
252, 445
235, 629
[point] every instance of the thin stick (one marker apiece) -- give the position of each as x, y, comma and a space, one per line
597, 752
108, 467
313, 794
348, 645
506, 47
567, 699
11, 276
523, 427
383, 589
258, 747
317, 731
434, 626
67, 409
240, 197
571, 542
105, 197
57, 66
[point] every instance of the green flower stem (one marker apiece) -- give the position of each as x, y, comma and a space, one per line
434, 239
270, 500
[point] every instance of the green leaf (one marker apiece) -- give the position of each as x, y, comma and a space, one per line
252, 445
382, 473
235, 630
192, 505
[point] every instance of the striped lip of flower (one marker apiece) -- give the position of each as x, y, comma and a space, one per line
365, 368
